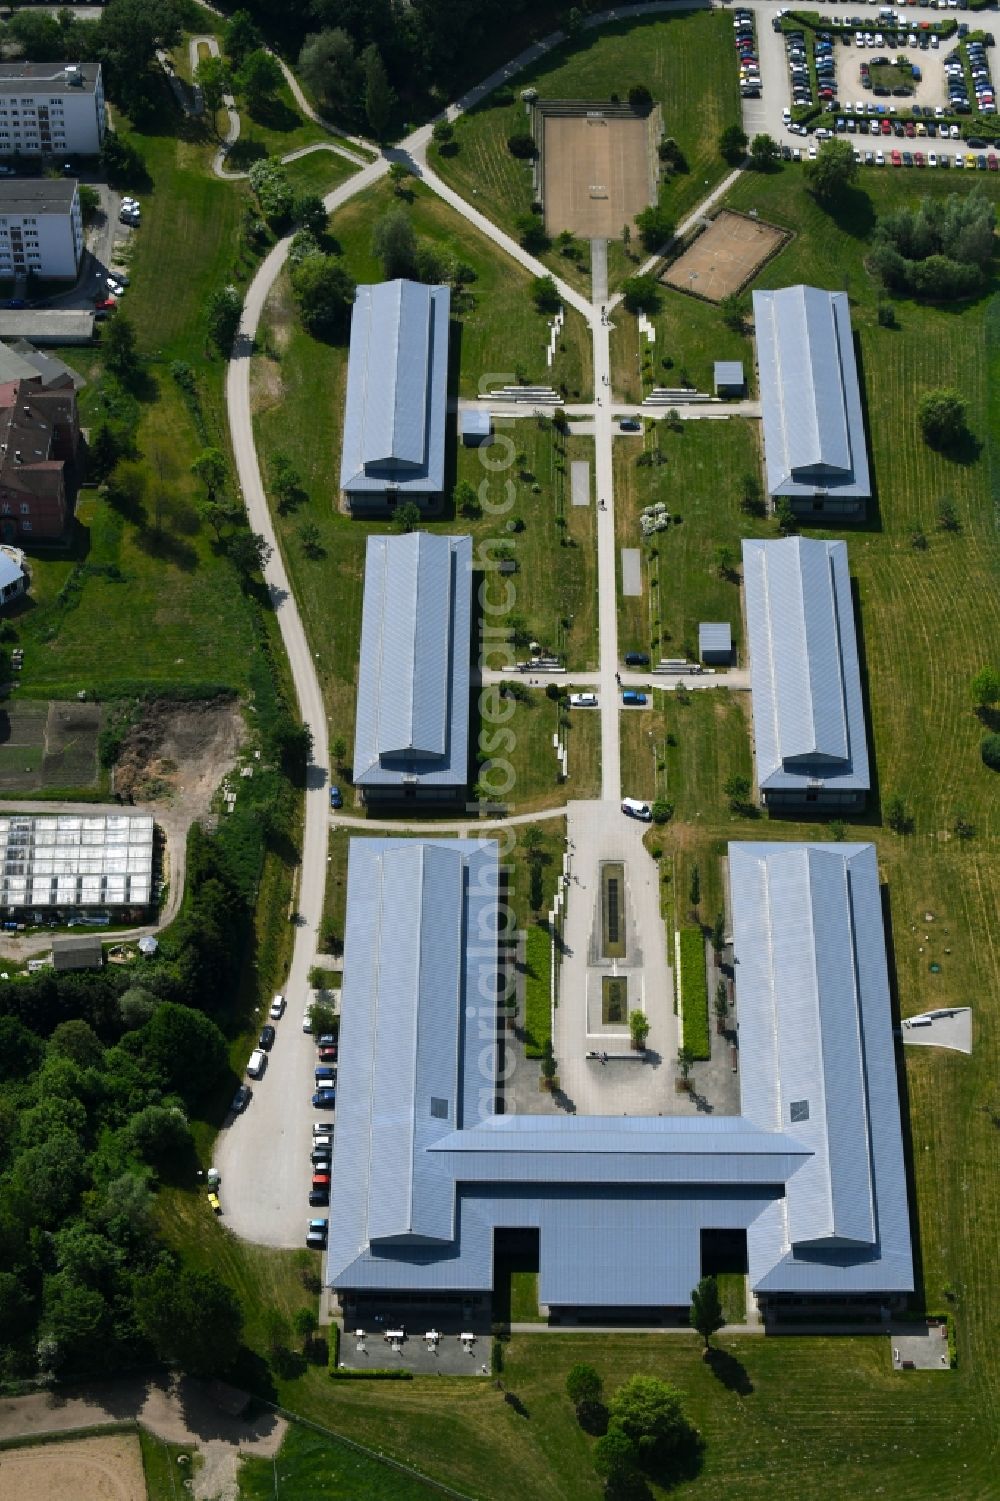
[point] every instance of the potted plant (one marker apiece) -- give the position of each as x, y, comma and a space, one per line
638, 1026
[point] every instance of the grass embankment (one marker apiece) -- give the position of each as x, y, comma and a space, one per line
687, 63
693, 988
691, 571
537, 990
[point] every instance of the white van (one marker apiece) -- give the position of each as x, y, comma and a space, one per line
583, 700
635, 809
257, 1063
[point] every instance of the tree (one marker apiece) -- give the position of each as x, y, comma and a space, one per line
941, 415
694, 891
706, 1309
191, 1317
655, 226
136, 1005
733, 310
21, 1052
328, 66
638, 1027
407, 516
443, 134
989, 749
733, 144
309, 213
184, 1047
273, 188
258, 80
324, 290
211, 468
662, 811
305, 1324
641, 294
214, 77
531, 232
121, 162
785, 517
721, 1003
545, 294
719, 932
616, 1460
583, 1384
522, 145
764, 152
338, 750
626, 235
751, 495
465, 500
832, 171
948, 517
241, 36
648, 1411
640, 99
379, 96
77, 1041
120, 353
311, 539
104, 451
724, 558
159, 1135
394, 243
738, 789
249, 553
222, 317
986, 688
896, 815
128, 35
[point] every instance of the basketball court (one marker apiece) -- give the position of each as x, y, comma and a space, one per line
727, 255
598, 172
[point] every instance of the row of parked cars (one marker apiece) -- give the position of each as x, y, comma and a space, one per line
745, 41
979, 72
257, 1062
321, 1152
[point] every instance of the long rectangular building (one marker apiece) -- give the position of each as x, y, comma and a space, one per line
427, 1174
805, 677
814, 433
411, 740
51, 109
397, 396
41, 228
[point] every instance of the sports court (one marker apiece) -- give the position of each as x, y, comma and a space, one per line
598, 172
725, 256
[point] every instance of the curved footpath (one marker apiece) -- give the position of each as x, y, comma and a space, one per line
270, 1206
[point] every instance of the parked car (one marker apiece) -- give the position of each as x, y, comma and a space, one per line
319, 1155
635, 808
307, 1024
266, 1038
318, 1197
633, 699
336, 798
241, 1099
325, 1073
316, 1234
257, 1063
630, 425
326, 1040
327, 1055
583, 700
636, 659
322, 1128
104, 304
277, 1008
321, 1180
324, 1099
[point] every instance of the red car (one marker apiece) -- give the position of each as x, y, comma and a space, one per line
104, 304
918, 159
897, 160
327, 1055
910, 128
886, 127
992, 162
320, 1180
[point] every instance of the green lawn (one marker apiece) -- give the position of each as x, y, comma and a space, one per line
700, 483
276, 129
523, 754
164, 1477
310, 1467
319, 172
686, 61
690, 337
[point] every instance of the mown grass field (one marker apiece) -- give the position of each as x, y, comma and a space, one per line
319, 172
690, 337
310, 1467
699, 482
686, 61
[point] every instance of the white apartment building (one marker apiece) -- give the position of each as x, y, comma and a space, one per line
51, 109
41, 228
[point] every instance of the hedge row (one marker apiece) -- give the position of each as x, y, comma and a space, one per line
694, 993
375, 1373
333, 1347
537, 990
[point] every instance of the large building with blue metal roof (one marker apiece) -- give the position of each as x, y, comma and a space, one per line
427, 1173
805, 677
814, 432
411, 738
397, 396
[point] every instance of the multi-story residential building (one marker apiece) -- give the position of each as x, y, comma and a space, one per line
41, 228
51, 109
39, 439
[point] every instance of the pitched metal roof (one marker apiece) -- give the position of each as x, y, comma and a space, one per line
413, 679
817, 1062
715, 636
397, 387
809, 726
424, 1172
728, 373
814, 438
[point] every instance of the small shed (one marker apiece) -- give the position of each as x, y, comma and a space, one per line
475, 426
729, 379
79, 952
715, 641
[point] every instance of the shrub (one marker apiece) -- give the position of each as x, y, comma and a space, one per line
522, 145
662, 811
941, 415
333, 1346
583, 1383
271, 184
990, 751
374, 1373
545, 294
537, 993
641, 294
732, 144
692, 984
639, 98
655, 226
